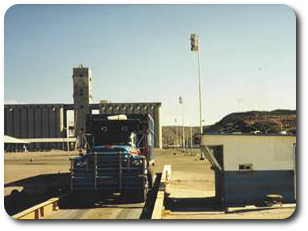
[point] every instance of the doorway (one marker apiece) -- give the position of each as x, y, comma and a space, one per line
218, 154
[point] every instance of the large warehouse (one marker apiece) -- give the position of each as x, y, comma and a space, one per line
46, 126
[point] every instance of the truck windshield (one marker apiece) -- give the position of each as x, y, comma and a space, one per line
115, 138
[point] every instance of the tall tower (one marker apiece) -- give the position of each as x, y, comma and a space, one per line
82, 80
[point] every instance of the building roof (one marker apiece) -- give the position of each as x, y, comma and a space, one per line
50, 140
12, 140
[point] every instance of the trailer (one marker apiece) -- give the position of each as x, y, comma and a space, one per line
120, 157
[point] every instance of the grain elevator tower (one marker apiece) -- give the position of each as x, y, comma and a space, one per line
82, 80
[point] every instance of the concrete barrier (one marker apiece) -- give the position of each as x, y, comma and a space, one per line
40, 210
162, 192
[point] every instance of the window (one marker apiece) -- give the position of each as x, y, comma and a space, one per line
245, 167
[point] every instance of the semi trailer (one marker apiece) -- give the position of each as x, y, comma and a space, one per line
119, 157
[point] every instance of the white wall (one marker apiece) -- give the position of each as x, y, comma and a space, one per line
264, 152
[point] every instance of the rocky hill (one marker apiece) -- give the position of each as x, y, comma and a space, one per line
264, 122
257, 122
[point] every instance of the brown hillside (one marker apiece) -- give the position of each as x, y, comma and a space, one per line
263, 122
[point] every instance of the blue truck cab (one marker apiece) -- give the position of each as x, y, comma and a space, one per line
120, 157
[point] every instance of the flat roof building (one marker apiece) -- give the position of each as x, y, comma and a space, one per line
250, 167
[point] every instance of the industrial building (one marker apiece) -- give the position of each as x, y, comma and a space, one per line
13, 144
46, 126
250, 167
32, 121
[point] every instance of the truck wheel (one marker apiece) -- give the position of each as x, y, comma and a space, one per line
142, 197
72, 197
151, 176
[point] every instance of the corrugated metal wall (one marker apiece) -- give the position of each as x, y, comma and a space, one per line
35, 121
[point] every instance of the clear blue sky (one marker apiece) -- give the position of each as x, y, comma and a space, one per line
142, 53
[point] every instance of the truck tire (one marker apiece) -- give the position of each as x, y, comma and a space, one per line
73, 197
151, 176
142, 197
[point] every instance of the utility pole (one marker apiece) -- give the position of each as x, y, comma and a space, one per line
195, 47
176, 133
183, 135
191, 141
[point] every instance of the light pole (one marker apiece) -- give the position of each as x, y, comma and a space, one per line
176, 133
191, 140
195, 47
183, 135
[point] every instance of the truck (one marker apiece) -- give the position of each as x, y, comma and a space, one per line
119, 158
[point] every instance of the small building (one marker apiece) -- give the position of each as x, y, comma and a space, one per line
250, 167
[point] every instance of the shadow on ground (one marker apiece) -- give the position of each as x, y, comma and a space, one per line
31, 191
211, 204
193, 204
37, 189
